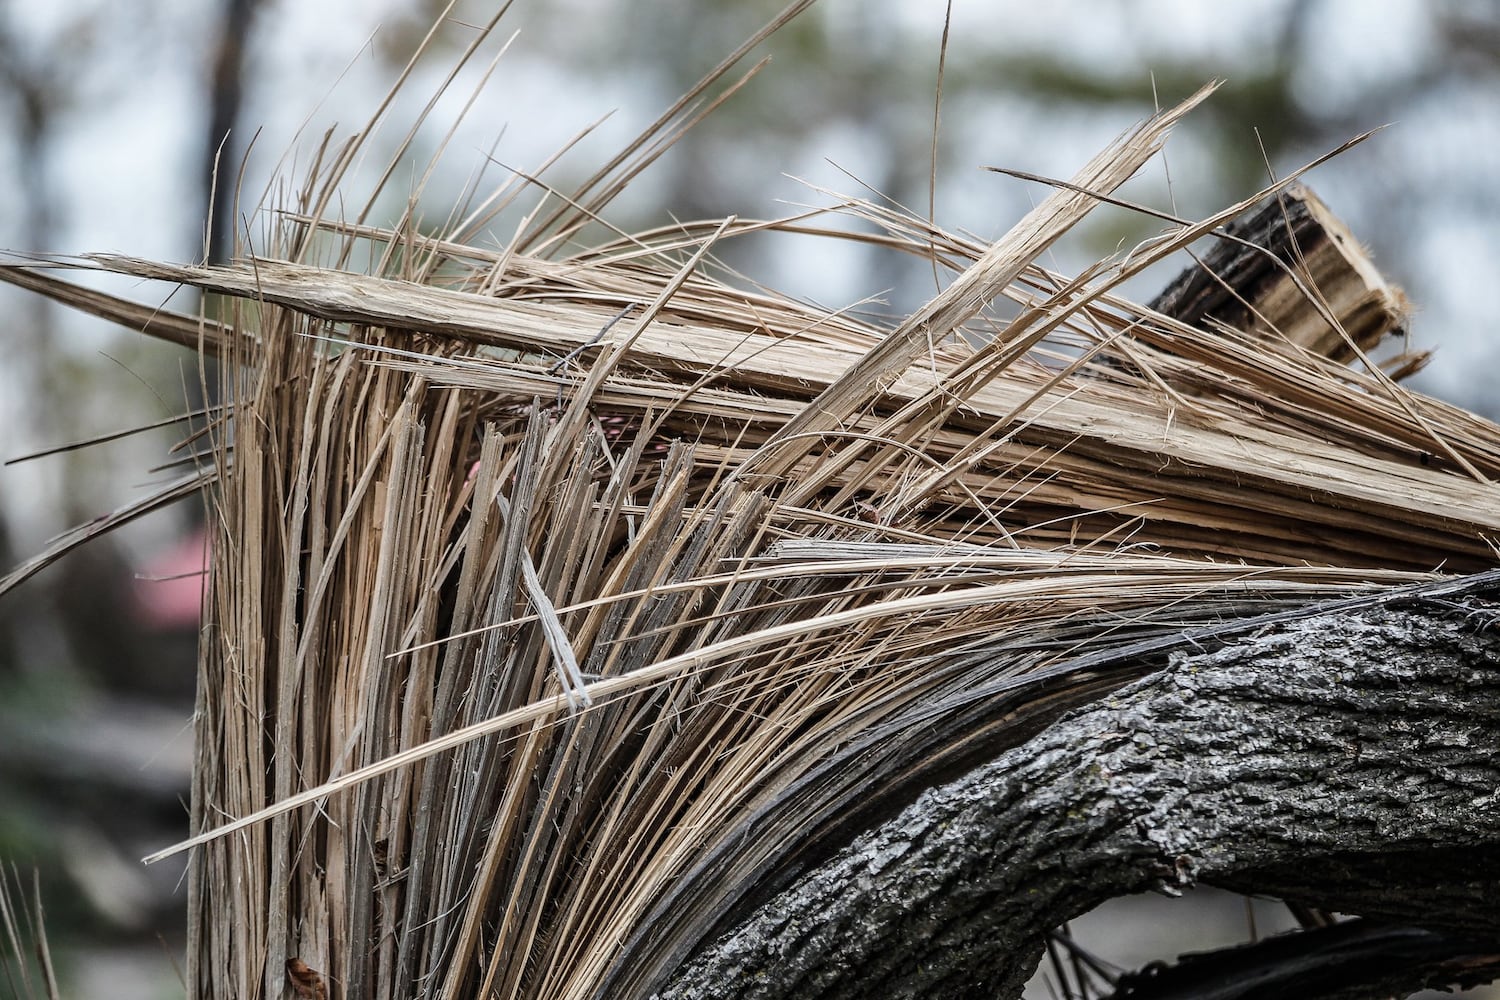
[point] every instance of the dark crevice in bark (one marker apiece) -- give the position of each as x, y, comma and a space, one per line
1354, 960
1347, 761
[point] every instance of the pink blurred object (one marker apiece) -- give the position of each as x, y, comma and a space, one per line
169, 589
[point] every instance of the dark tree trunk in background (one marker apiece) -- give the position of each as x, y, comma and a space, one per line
1346, 761
225, 95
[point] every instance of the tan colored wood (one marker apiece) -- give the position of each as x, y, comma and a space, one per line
1279, 264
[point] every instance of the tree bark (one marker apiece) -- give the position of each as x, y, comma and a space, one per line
1345, 761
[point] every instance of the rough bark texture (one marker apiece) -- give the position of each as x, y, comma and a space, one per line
1345, 761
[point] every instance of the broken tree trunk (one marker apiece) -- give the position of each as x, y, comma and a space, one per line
1292, 274
1343, 760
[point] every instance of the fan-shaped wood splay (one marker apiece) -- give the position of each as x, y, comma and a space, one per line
541, 577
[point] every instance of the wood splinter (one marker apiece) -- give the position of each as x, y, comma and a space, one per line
1243, 287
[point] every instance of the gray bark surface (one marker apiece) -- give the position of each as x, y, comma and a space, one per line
1347, 761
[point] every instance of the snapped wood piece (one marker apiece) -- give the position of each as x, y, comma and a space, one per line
1243, 287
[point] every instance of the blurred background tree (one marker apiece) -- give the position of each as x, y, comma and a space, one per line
112, 115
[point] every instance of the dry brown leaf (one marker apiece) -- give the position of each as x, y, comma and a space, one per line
308, 983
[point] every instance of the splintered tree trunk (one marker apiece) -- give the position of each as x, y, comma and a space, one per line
1346, 760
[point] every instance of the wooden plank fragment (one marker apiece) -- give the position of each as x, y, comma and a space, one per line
1259, 281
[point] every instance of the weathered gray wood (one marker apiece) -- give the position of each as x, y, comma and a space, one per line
1346, 760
